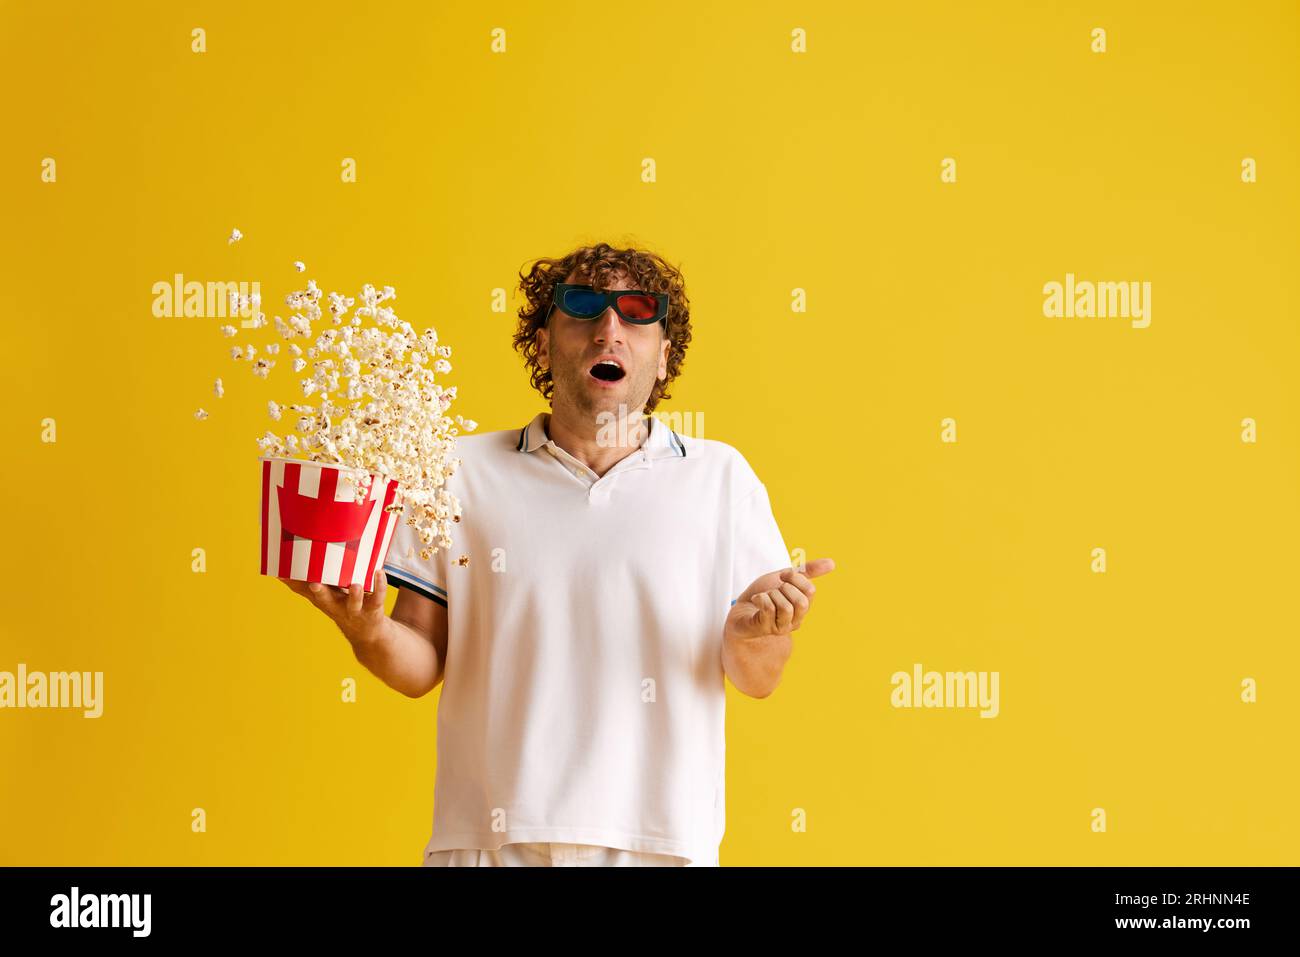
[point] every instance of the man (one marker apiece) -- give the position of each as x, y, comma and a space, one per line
606, 576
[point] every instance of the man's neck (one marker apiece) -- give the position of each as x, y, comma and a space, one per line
598, 445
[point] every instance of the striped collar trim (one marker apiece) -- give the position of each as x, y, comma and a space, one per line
662, 442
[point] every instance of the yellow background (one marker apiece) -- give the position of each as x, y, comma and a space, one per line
775, 171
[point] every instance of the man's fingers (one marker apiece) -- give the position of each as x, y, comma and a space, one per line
798, 600
784, 609
818, 566
327, 598
298, 588
799, 581
324, 597
356, 596
377, 589
764, 618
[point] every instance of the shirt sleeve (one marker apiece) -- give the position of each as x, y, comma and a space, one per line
404, 568
758, 547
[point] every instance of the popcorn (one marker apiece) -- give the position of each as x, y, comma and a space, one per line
395, 421
299, 266
235, 236
200, 415
218, 388
379, 411
269, 442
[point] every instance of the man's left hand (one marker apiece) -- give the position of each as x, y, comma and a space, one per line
776, 603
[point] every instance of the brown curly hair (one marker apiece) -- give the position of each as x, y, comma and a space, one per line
598, 265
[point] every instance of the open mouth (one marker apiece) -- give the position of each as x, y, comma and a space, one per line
607, 370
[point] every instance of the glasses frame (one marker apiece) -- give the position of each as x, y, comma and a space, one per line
611, 299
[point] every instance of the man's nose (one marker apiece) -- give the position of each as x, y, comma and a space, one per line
609, 326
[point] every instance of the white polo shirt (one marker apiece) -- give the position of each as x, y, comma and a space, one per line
583, 699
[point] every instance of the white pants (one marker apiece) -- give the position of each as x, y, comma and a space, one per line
550, 855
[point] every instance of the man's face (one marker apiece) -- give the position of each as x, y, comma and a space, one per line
571, 348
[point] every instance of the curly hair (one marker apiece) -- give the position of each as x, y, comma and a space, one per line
599, 265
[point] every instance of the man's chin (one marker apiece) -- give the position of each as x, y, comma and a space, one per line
605, 401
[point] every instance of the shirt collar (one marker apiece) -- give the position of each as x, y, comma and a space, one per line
661, 443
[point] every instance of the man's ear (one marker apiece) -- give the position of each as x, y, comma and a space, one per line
543, 349
663, 357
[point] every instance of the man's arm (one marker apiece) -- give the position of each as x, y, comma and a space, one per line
407, 652
410, 653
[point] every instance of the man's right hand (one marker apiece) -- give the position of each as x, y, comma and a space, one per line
360, 616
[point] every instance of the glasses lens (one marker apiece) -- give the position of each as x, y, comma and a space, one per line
583, 302
638, 307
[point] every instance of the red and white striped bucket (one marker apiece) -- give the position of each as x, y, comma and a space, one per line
313, 530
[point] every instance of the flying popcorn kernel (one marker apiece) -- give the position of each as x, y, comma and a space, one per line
218, 388
201, 414
235, 236
300, 266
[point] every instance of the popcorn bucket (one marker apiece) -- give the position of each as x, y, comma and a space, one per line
313, 530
